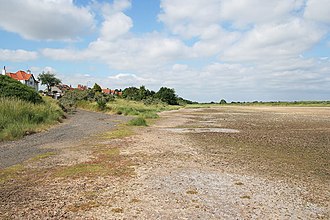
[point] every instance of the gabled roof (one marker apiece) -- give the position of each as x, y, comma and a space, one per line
19, 75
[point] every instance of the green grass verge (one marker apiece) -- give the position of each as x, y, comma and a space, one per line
18, 118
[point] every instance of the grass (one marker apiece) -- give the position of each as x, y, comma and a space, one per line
42, 156
122, 131
18, 118
11, 172
137, 122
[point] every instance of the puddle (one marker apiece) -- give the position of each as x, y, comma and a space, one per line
202, 130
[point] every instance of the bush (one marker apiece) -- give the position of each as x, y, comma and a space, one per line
138, 122
13, 88
84, 99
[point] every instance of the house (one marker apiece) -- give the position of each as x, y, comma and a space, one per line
59, 90
26, 78
82, 87
112, 92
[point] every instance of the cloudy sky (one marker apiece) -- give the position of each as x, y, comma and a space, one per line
239, 50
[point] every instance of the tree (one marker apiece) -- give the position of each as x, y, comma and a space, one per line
222, 102
48, 79
131, 93
97, 88
167, 95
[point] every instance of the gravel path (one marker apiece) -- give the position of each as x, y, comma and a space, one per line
76, 128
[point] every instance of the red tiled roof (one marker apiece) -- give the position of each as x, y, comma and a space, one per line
106, 91
20, 75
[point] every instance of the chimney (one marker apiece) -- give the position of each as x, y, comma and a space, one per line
4, 71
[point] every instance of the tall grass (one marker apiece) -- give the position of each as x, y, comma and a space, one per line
18, 117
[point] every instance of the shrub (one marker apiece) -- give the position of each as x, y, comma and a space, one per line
138, 122
13, 88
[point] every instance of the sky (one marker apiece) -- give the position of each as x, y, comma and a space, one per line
207, 50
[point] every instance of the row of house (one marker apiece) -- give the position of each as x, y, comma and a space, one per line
28, 79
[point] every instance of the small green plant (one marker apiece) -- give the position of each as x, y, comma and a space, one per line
138, 122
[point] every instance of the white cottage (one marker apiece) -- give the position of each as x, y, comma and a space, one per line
24, 77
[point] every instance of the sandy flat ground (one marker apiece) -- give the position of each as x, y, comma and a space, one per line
213, 163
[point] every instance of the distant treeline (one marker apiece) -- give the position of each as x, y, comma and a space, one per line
164, 94
275, 103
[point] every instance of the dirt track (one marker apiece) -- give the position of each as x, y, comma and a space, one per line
79, 126
185, 167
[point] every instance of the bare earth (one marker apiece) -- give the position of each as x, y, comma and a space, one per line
215, 163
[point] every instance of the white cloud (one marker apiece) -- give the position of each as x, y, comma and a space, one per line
275, 41
243, 13
17, 55
134, 53
318, 10
116, 6
115, 26
189, 19
45, 19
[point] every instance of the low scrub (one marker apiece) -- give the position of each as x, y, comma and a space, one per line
138, 122
18, 117
135, 108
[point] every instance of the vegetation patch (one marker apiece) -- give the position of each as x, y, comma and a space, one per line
121, 132
78, 170
192, 192
137, 122
42, 156
107, 162
11, 172
117, 210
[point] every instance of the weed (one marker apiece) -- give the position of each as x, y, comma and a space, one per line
135, 200
117, 210
192, 192
239, 183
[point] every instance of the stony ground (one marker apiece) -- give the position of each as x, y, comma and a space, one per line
215, 163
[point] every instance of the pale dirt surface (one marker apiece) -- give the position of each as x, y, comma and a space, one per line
195, 174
